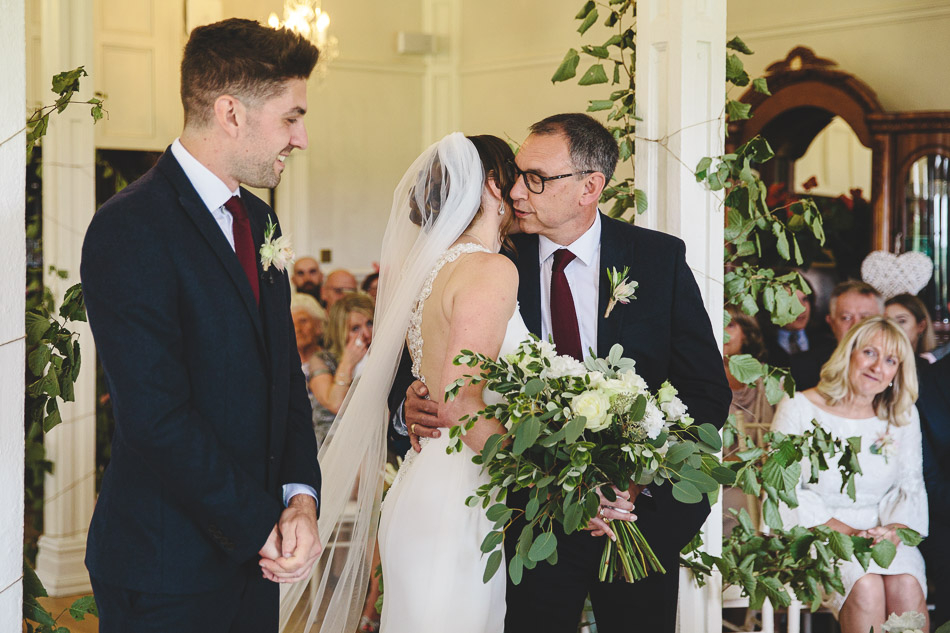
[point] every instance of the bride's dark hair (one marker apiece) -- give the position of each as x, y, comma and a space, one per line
499, 163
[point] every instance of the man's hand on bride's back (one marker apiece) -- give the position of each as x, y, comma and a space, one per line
421, 414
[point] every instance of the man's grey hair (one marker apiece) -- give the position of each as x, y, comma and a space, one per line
591, 146
858, 287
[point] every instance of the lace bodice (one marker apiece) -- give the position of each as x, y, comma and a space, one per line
414, 334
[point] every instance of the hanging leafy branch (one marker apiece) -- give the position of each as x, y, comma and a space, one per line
805, 560
52, 368
616, 56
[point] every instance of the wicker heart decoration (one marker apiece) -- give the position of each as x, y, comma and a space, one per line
893, 274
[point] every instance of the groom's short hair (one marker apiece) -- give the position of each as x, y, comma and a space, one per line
591, 146
241, 58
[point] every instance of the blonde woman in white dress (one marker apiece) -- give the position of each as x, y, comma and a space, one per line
867, 389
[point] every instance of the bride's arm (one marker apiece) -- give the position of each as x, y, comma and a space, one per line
480, 298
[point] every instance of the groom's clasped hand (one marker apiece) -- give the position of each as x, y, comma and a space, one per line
294, 544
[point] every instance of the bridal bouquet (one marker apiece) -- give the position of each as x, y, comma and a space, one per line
573, 428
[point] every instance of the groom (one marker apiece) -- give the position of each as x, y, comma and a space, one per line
210, 497
563, 256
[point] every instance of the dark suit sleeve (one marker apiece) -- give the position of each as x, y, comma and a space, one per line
299, 464
139, 338
934, 408
398, 442
696, 368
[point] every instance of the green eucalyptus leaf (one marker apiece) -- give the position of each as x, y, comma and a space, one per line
492, 540
526, 435
543, 546
709, 434
516, 569
686, 492
494, 561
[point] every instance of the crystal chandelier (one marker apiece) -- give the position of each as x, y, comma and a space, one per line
309, 20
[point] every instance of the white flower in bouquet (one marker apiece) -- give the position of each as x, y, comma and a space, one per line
666, 393
907, 622
595, 406
674, 409
633, 382
546, 349
596, 379
562, 366
652, 422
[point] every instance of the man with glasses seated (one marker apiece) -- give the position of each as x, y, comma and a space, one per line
563, 254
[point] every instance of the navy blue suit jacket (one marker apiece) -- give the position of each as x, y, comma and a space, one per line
934, 407
666, 330
211, 409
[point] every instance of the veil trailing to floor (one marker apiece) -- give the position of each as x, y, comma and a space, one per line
433, 204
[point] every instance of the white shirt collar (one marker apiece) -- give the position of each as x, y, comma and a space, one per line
584, 248
211, 189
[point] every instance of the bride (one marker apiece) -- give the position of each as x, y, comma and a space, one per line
443, 287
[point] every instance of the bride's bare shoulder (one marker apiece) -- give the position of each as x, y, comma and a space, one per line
480, 276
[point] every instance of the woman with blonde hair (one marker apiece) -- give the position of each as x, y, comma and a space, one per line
348, 335
867, 389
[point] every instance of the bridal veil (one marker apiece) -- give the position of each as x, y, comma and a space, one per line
433, 204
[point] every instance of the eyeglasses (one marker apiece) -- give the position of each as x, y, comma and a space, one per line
535, 182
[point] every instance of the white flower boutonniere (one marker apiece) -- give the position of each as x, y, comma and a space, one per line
276, 252
621, 288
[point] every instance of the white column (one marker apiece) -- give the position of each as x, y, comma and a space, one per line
68, 206
680, 83
12, 276
441, 97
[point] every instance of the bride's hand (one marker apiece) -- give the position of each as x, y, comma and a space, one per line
421, 414
621, 509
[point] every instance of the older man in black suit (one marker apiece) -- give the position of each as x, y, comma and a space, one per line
562, 258
210, 497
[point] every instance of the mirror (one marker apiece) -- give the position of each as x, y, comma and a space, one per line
924, 226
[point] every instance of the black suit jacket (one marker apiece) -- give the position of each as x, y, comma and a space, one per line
211, 409
934, 407
666, 330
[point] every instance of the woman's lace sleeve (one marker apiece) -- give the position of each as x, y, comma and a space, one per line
906, 502
793, 417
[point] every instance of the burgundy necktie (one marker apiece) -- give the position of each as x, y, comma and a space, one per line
244, 244
567, 336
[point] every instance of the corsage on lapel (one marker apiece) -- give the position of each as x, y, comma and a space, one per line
275, 252
621, 288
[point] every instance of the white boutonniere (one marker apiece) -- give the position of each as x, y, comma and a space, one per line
621, 288
276, 252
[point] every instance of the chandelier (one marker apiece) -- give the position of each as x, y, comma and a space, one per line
309, 20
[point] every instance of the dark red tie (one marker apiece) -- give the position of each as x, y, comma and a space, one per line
567, 336
244, 244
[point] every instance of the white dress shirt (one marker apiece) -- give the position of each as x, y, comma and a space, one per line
214, 193
211, 189
583, 276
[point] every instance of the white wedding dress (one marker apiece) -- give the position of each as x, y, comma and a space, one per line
429, 539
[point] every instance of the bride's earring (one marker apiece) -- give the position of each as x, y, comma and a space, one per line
501, 208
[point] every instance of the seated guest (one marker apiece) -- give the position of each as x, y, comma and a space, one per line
749, 404
800, 346
370, 284
852, 302
338, 284
934, 406
307, 277
867, 389
310, 320
348, 335
911, 314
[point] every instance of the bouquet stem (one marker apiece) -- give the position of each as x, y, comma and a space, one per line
630, 556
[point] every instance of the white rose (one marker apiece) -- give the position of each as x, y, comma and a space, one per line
593, 405
674, 409
562, 366
547, 349
666, 393
614, 386
652, 422
596, 379
633, 382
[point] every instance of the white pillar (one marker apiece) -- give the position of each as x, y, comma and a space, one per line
441, 89
68, 206
680, 83
12, 276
